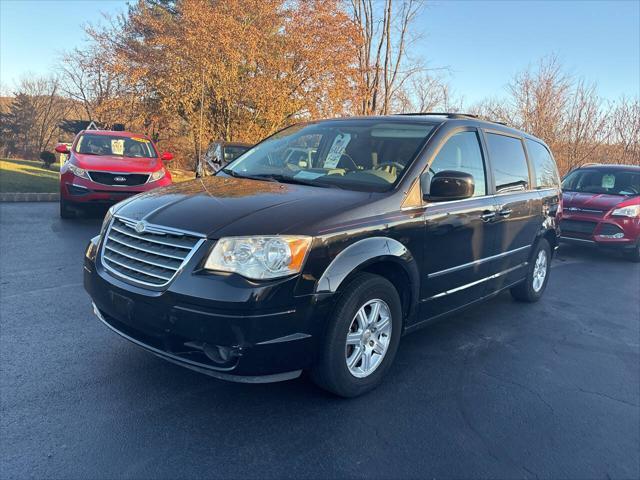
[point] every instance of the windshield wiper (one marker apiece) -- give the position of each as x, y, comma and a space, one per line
300, 181
235, 174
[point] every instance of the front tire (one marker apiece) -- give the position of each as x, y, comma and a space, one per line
362, 337
534, 285
65, 211
634, 255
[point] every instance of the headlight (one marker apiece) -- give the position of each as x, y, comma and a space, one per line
79, 172
107, 219
632, 211
157, 175
259, 258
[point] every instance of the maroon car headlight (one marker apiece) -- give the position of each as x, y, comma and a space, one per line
632, 211
79, 172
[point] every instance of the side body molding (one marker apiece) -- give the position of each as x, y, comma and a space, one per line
366, 252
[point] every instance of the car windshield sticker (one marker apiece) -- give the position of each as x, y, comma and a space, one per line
608, 181
337, 150
138, 139
117, 146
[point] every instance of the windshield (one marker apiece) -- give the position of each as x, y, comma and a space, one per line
368, 155
133, 147
611, 182
233, 152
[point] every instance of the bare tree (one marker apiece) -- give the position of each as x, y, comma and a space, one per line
385, 32
90, 77
584, 127
538, 99
426, 93
34, 115
625, 130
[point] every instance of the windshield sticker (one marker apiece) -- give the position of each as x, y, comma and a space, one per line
117, 147
138, 139
608, 181
337, 150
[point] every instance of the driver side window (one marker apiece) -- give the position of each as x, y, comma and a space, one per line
462, 153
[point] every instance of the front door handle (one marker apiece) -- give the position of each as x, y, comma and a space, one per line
488, 215
505, 212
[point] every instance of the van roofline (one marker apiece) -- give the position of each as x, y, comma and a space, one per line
439, 119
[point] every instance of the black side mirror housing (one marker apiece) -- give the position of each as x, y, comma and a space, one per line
447, 185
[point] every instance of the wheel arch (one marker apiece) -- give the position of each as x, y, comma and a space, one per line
382, 256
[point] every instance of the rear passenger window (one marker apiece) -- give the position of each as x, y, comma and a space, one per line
543, 164
508, 162
462, 153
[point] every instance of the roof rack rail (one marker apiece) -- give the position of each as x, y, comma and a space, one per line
443, 114
589, 164
455, 115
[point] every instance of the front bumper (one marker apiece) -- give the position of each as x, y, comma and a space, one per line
609, 232
223, 326
80, 190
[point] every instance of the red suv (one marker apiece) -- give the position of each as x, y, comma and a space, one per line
106, 167
601, 206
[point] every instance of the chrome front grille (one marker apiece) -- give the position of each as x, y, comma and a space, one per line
146, 254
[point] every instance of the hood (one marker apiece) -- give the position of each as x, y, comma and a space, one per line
223, 206
115, 163
591, 201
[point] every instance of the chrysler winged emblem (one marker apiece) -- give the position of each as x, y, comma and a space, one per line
141, 226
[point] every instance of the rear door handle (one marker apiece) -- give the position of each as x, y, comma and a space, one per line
488, 215
505, 212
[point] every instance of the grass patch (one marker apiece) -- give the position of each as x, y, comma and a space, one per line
178, 175
28, 176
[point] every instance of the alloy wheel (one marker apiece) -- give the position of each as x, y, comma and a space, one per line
368, 338
539, 271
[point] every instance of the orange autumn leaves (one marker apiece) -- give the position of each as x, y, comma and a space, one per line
257, 65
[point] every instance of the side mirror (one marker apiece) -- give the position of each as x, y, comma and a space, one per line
166, 156
447, 185
62, 148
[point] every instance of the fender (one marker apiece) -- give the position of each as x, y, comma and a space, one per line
366, 252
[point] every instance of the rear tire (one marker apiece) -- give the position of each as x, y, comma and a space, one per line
633, 255
65, 211
369, 313
534, 285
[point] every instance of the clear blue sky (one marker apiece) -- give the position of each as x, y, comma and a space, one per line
483, 43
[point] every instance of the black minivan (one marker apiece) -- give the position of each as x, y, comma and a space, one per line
321, 260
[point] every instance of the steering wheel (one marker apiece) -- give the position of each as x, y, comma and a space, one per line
348, 157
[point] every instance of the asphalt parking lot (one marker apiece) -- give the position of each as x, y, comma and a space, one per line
550, 390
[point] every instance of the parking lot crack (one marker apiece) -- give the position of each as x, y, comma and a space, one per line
608, 397
523, 387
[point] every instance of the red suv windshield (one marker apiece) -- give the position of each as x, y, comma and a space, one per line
134, 147
603, 181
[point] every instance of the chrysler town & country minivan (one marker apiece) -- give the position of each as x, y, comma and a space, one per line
277, 266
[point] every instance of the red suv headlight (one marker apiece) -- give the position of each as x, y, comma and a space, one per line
632, 211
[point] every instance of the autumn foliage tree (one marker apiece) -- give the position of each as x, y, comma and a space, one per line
238, 69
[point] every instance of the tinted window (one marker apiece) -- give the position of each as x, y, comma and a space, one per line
462, 153
231, 153
508, 162
543, 164
601, 180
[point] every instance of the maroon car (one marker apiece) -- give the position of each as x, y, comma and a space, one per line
601, 206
